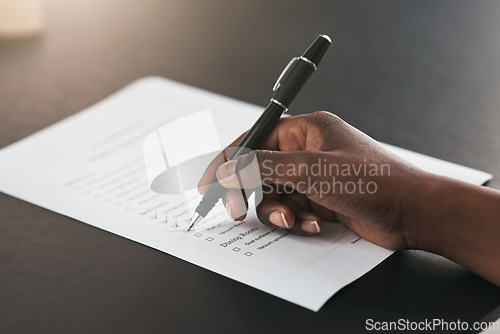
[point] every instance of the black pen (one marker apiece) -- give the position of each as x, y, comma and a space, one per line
288, 85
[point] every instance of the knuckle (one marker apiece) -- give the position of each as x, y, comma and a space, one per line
324, 116
326, 123
328, 118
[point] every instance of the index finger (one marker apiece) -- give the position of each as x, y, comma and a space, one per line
209, 174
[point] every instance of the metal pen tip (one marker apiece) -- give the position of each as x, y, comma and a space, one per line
196, 217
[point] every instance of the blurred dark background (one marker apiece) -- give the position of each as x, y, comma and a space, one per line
420, 74
424, 75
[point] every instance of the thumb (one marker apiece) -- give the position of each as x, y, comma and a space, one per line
263, 167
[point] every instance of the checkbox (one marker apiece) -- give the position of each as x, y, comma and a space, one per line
210, 239
236, 249
248, 253
197, 234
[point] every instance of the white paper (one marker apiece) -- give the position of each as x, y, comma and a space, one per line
90, 167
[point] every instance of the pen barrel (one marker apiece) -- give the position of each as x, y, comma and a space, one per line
289, 85
293, 81
259, 131
212, 196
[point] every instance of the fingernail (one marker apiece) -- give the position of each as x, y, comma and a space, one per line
226, 172
316, 225
310, 226
284, 219
229, 207
278, 219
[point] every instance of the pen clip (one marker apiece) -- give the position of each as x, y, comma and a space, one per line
277, 85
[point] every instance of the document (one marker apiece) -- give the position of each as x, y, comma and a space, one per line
90, 167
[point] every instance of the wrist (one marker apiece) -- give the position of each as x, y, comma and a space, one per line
423, 222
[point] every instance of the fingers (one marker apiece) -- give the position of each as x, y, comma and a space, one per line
307, 223
290, 214
240, 173
275, 214
289, 151
236, 204
303, 132
209, 174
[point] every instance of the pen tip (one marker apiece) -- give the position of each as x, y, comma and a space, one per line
196, 217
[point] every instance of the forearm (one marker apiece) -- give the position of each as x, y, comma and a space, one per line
461, 222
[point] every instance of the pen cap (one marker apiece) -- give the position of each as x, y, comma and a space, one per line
298, 71
317, 49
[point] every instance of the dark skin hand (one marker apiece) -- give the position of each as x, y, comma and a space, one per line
410, 208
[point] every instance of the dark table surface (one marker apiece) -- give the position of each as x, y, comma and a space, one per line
423, 75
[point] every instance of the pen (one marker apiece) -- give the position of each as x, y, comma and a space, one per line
286, 88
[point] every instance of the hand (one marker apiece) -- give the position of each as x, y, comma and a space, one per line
376, 194
337, 172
